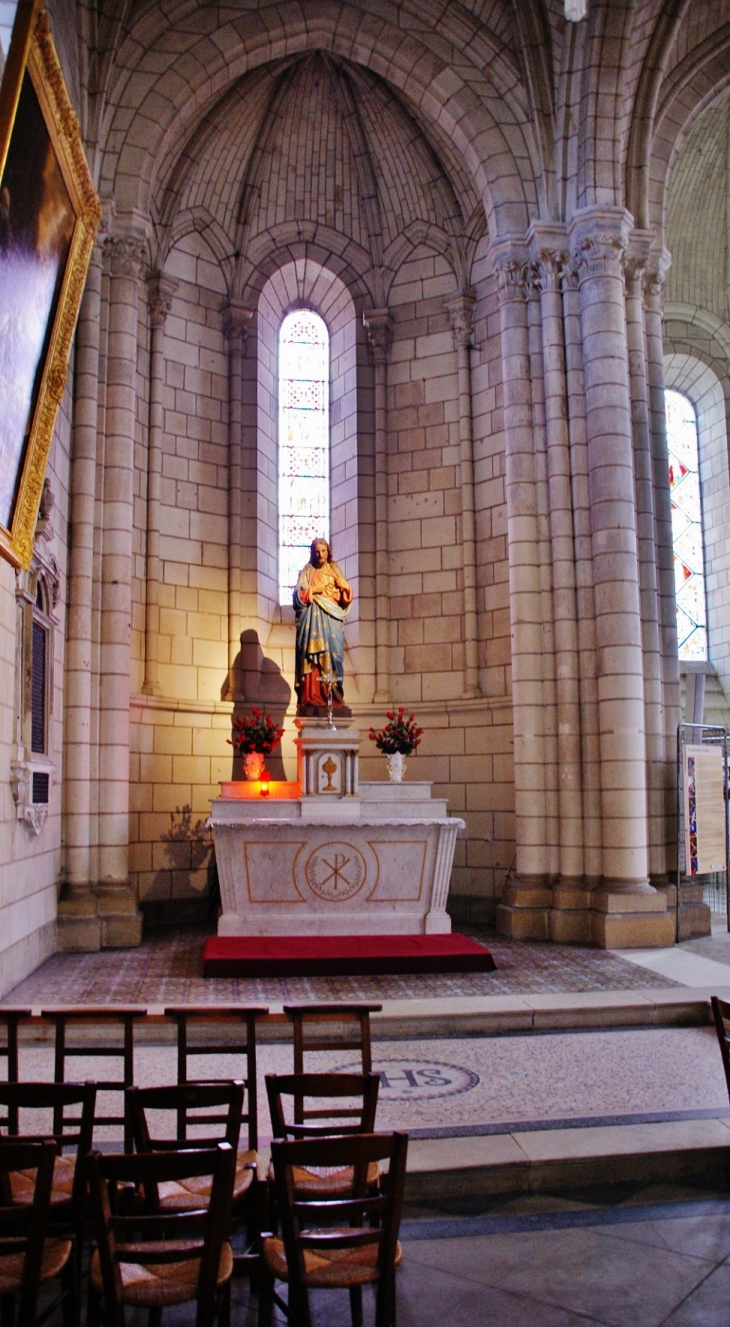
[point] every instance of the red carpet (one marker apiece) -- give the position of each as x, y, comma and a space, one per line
341, 955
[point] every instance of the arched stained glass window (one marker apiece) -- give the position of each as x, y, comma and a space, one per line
687, 534
304, 442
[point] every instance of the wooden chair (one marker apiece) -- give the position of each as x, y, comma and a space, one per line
192, 1105
28, 1259
10, 1018
343, 1243
153, 1259
109, 1017
319, 1014
210, 1015
68, 1188
357, 1120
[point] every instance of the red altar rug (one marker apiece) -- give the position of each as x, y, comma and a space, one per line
341, 955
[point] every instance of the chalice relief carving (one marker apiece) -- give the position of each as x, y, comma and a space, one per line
328, 768
335, 871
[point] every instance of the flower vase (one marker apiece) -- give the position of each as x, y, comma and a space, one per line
253, 764
396, 766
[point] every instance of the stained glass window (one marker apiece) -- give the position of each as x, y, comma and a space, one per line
689, 561
304, 460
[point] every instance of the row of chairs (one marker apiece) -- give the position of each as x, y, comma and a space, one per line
177, 1181
121, 1022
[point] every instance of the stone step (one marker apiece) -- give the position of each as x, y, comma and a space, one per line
556, 1160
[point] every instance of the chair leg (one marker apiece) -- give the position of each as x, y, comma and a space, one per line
71, 1307
265, 1289
154, 1318
224, 1306
356, 1305
7, 1311
93, 1308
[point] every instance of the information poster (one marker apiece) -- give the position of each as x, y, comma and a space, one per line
704, 810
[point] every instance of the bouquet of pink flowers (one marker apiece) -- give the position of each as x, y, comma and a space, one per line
260, 733
399, 734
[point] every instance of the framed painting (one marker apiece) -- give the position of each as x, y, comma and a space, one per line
49, 213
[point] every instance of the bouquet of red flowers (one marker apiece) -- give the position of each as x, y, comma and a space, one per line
260, 733
399, 734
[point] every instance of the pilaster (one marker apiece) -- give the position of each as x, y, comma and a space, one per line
461, 315
236, 320
160, 291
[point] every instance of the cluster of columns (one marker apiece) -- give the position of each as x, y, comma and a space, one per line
595, 673
98, 909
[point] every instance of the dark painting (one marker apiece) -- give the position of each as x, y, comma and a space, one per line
36, 228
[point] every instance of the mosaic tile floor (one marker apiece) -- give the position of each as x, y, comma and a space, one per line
464, 1086
168, 967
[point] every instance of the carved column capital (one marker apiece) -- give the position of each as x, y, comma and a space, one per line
549, 252
126, 255
510, 261
160, 290
379, 326
461, 316
636, 258
598, 238
654, 278
236, 319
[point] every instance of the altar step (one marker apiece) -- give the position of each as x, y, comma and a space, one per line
342, 955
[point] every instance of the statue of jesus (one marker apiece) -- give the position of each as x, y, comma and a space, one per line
322, 600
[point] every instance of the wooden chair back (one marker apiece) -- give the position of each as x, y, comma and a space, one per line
334, 1118
188, 1016
360, 1220
110, 1018
9, 1019
23, 1229
327, 1015
155, 1238
66, 1131
191, 1106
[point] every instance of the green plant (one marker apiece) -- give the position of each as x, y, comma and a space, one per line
398, 735
259, 733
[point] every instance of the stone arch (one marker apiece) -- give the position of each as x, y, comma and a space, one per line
474, 123
295, 283
599, 137
691, 88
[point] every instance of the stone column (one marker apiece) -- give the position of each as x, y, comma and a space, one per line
585, 603
569, 917
78, 924
628, 912
236, 319
379, 326
636, 258
121, 921
654, 278
160, 292
523, 910
461, 315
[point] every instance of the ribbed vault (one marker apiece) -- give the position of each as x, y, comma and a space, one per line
697, 218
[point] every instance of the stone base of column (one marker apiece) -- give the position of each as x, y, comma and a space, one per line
631, 919
522, 913
120, 917
693, 916
569, 918
78, 928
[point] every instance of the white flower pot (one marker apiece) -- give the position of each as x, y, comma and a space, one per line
396, 766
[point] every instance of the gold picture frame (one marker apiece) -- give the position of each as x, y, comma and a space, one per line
49, 214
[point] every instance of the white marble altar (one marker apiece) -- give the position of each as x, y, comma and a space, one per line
337, 862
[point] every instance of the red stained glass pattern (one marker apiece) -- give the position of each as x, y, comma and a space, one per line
687, 534
303, 442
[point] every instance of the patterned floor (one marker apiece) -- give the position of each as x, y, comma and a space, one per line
167, 967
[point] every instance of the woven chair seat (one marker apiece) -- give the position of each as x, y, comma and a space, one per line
192, 1193
22, 1183
160, 1285
326, 1183
56, 1253
330, 1269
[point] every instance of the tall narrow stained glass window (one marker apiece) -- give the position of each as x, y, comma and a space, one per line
304, 442
687, 534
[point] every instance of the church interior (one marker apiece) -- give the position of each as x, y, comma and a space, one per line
446, 287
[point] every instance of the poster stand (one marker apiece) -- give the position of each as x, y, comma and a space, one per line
703, 848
